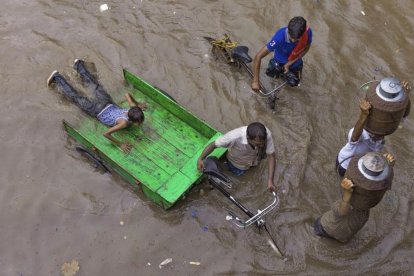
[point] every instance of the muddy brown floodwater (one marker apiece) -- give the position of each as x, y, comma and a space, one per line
55, 207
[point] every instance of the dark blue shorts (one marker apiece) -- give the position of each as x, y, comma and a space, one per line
234, 170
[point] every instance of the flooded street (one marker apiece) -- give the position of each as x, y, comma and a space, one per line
56, 207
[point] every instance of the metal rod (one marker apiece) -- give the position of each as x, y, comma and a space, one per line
262, 90
278, 87
246, 211
229, 196
273, 241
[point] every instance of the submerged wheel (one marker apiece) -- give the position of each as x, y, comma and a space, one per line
91, 156
165, 93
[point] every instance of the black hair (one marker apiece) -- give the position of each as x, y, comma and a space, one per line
297, 27
136, 115
256, 130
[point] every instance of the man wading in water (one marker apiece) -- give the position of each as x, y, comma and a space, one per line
367, 179
359, 140
247, 146
289, 44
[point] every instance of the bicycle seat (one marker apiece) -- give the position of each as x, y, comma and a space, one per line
241, 53
210, 168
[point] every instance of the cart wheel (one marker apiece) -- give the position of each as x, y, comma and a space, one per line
98, 163
165, 93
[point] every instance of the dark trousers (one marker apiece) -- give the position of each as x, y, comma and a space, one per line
234, 169
318, 229
275, 69
341, 171
90, 106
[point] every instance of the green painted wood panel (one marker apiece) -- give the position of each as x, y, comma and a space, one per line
176, 187
179, 134
138, 164
190, 168
169, 105
165, 147
170, 127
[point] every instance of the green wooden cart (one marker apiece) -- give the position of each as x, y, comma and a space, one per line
163, 161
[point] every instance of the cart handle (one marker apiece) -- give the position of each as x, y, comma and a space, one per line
258, 217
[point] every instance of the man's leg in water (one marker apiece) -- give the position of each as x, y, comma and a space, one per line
82, 102
298, 72
318, 229
101, 96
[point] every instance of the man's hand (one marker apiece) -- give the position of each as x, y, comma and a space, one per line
200, 164
345, 205
126, 147
407, 86
286, 67
365, 107
255, 86
142, 105
347, 185
390, 158
270, 186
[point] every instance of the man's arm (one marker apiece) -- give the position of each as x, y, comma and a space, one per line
121, 124
365, 107
132, 102
271, 161
256, 67
209, 149
407, 88
289, 63
345, 205
407, 109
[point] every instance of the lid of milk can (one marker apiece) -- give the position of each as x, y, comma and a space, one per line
390, 89
373, 166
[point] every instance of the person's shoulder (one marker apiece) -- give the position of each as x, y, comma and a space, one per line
230, 137
310, 35
268, 132
280, 34
309, 31
277, 38
123, 122
237, 132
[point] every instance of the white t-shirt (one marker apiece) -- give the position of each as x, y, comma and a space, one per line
365, 144
240, 153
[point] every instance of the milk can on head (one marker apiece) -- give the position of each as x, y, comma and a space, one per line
390, 103
372, 176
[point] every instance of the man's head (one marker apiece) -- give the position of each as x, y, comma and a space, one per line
256, 134
136, 115
296, 27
